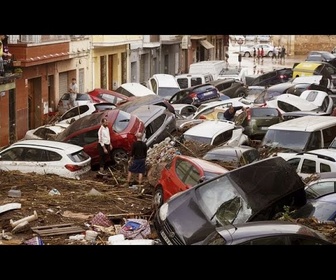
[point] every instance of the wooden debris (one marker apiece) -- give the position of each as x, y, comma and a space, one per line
57, 229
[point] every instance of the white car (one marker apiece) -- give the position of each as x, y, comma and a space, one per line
134, 89
46, 157
315, 161
48, 131
247, 51
319, 98
184, 110
289, 102
64, 102
216, 132
237, 73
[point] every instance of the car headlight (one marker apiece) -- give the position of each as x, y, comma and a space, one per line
163, 211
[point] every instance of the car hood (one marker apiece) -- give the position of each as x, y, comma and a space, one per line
261, 184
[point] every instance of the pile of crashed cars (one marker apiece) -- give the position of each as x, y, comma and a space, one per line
238, 191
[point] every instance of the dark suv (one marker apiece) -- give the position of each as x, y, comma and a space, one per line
256, 121
230, 87
270, 78
196, 95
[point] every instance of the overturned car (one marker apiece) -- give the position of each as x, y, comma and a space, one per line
254, 192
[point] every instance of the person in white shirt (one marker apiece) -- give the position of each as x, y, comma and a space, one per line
104, 145
73, 90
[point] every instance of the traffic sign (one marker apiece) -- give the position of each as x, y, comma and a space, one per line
240, 41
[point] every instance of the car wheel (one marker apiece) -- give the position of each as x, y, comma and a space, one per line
270, 54
247, 54
158, 197
119, 156
241, 94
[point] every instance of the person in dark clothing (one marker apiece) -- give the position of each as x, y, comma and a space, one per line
231, 111
137, 163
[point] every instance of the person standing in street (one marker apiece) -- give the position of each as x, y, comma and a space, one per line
104, 145
73, 90
137, 162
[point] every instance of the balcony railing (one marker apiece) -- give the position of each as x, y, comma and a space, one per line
40, 39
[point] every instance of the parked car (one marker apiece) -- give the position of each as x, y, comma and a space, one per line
322, 209
159, 123
213, 67
314, 161
64, 102
253, 192
45, 157
49, 131
123, 127
216, 132
256, 120
105, 95
231, 87
232, 156
277, 76
182, 173
247, 51
322, 56
266, 233
163, 85
322, 184
195, 95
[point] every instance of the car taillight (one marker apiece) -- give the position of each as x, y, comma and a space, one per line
73, 167
193, 95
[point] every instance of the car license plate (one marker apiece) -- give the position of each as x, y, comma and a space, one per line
165, 237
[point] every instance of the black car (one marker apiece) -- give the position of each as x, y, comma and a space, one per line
324, 56
254, 192
231, 87
196, 95
270, 78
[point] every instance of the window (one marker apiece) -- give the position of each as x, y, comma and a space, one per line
328, 135
308, 166
324, 167
294, 162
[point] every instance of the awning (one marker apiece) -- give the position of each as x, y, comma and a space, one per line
206, 44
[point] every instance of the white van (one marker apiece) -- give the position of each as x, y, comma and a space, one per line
164, 85
214, 67
190, 80
301, 134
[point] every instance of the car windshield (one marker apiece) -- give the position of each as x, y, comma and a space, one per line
287, 139
220, 200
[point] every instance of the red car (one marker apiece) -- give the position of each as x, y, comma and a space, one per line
104, 95
123, 127
182, 173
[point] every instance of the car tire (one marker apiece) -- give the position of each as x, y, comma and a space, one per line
119, 156
158, 197
241, 94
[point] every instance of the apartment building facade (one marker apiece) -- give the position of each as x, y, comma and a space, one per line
49, 62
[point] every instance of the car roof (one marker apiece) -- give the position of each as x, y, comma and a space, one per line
147, 112
261, 229
209, 128
204, 164
136, 89
50, 144
330, 197
305, 123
